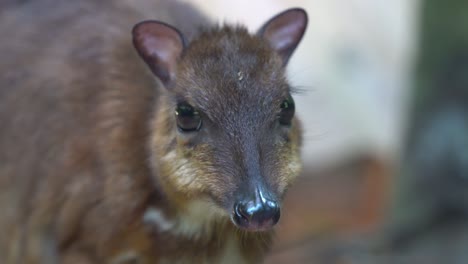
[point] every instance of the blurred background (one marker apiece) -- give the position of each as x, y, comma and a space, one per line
384, 104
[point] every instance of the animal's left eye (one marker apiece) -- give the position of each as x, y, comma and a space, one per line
287, 111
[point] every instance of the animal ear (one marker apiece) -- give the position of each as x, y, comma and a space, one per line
160, 46
284, 31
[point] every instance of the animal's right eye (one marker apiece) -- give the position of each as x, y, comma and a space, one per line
188, 119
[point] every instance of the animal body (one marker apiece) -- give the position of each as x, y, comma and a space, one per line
125, 141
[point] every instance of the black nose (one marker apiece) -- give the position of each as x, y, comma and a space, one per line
258, 214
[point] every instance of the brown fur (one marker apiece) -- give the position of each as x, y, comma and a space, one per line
86, 128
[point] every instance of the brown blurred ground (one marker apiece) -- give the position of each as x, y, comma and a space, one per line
327, 207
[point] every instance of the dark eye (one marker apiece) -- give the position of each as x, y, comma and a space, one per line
188, 119
287, 112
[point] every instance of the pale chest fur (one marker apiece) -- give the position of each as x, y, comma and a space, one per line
198, 223
230, 254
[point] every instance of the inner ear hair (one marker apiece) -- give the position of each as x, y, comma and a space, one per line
284, 31
160, 45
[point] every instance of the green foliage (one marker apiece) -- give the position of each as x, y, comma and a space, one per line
444, 34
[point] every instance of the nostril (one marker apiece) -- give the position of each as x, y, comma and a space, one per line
275, 212
241, 212
271, 205
270, 212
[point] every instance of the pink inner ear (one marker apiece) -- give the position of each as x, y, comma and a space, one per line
285, 31
160, 46
284, 34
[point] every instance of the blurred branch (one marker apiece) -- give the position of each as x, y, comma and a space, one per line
431, 198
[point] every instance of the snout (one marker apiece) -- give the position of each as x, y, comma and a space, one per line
259, 213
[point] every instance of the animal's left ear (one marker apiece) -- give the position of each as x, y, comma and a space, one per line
284, 31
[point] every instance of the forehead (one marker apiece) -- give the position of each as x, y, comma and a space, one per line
229, 70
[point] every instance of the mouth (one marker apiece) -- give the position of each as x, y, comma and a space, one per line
253, 227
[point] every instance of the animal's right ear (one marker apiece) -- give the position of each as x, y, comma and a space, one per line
160, 46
